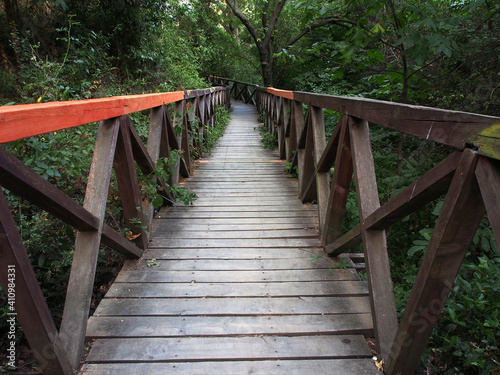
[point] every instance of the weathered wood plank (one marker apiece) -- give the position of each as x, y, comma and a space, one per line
322, 178
152, 276
425, 189
374, 242
250, 242
118, 243
163, 326
488, 177
228, 348
246, 277
173, 227
194, 290
452, 128
241, 207
430, 186
275, 367
330, 154
230, 253
444, 255
23, 181
234, 306
235, 215
339, 191
239, 234
128, 184
20, 285
81, 280
240, 264
167, 220
346, 242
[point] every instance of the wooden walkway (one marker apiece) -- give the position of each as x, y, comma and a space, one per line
228, 285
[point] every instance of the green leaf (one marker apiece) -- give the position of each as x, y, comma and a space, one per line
414, 249
157, 201
41, 259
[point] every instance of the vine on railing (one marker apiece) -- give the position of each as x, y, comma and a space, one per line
469, 177
119, 147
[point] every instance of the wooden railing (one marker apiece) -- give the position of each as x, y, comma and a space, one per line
246, 92
117, 145
470, 178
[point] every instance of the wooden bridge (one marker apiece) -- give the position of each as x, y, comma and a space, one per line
229, 284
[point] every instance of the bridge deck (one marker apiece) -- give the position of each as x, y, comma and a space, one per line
230, 286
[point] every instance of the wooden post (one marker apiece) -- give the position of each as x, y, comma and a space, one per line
306, 168
169, 142
322, 178
339, 191
460, 216
182, 139
281, 123
299, 125
290, 135
374, 241
488, 177
81, 279
156, 125
28, 304
128, 184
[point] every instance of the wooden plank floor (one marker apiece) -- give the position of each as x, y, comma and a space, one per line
233, 288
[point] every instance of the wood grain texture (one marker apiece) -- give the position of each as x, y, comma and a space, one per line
172, 326
488, 177
23, 181
150, 275
27, 120
234, 348
128, 183
277, 367
81, 280
239, 275
19, 282
374, 241
452, 128
449, 242
339, 191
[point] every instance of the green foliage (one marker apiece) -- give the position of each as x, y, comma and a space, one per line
164, 170
291, 169
343, 264
152, 262
267, 139
466, 337
222, 117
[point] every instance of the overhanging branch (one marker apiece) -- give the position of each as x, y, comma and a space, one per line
325, 21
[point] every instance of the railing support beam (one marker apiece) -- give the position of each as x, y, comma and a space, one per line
443, 257
374, 241
30, 308
81, 280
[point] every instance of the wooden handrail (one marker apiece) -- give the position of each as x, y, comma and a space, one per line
469, 177
118, 146
246, 92
27, 120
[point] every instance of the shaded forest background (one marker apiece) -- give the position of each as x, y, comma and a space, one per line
439, 53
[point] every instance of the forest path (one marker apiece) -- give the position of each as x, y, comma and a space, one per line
229, 286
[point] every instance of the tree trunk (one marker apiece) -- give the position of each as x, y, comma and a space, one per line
266, 63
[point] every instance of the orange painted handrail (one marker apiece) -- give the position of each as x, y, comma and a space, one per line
27, 120
282, 93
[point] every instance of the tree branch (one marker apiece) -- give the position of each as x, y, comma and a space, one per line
251, 28
264, 15
273, 22
327, 21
